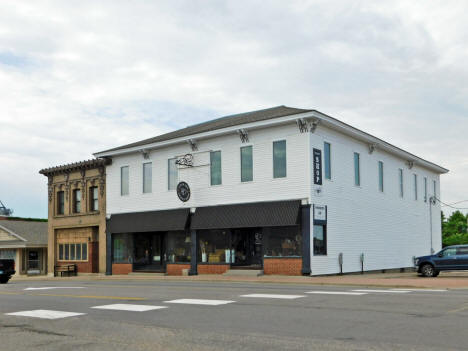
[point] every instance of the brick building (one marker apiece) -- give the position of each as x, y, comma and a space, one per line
77, 215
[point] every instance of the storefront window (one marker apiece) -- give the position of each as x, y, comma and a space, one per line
320, 240
122, 248
213, 245
178, 247
282, 241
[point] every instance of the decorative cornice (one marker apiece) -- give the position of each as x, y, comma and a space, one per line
76, 166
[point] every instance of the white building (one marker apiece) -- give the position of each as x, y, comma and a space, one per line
255, 179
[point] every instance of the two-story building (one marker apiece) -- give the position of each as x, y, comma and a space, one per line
284, 190
77, 215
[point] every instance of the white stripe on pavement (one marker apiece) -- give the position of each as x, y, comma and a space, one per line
200, 302
336, 293
424, 290
129, 307
55, 287
45, 314
383, 291
274, 296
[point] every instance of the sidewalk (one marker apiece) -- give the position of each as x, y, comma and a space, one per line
449, 280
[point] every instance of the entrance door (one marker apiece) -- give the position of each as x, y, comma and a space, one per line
247, 247
148, 254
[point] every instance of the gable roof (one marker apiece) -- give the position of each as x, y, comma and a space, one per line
28, 233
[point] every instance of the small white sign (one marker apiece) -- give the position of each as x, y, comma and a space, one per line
320, 212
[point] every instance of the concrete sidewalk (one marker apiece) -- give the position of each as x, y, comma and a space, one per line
448, 280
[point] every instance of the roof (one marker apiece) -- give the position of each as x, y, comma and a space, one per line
219, 123
70, 167
30, 233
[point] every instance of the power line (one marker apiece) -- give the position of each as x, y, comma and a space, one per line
450, 205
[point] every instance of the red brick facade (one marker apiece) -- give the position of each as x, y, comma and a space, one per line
90, 266
122, 268
282, 266
175, 268
212, 268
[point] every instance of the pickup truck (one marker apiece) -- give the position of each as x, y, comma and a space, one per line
7, 269
451, 258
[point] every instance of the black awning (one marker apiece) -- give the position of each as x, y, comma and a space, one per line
152, 221
259, 214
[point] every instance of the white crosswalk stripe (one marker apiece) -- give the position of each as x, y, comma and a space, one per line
200, 302
274, 296
336, 293
129, 307
422, 290
55, 287
382, 291
45, 314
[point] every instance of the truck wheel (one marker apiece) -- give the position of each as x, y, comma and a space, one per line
4, 280
428, 270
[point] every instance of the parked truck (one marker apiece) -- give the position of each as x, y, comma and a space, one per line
7, 269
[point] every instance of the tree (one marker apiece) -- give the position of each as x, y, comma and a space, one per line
454, 229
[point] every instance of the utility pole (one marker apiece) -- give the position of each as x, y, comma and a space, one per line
432, 201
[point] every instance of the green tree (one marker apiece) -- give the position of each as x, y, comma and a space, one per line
454, 229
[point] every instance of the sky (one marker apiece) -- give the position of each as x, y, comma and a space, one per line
77, 77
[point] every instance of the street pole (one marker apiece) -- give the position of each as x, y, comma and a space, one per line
431, 201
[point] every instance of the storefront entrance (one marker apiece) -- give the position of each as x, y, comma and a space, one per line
247, 248
148, 252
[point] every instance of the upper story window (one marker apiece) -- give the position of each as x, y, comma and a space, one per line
279, 159
357, 169
147, 177
60, 203
246, 164
381, 176
415, 177
425, 189
172, 174
215, 167
400, 181
124, 180
434, 184
93, 198
77, 201
327, 159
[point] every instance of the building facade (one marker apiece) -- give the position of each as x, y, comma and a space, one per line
24, 241
284, 190
77, 215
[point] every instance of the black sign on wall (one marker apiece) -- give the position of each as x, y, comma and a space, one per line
318, 166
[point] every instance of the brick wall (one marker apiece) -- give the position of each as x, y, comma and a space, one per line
212, 268
282, 266
90, 266
176, 269
122, 268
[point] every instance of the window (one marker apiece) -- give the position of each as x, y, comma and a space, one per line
172, 174
381, 174
77, 201
122, 248
279, 159
147, 177
425, 189
449, 252
282, 242
60, 203
400, 181
212, 245
246, 164
93, 198
357, 170
73, 252
415, 176
215, 167
434, 184
327, 159
320, 239
462, 251
178, 247
124, 181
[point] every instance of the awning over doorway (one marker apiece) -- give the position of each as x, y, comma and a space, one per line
258, 214
152, 221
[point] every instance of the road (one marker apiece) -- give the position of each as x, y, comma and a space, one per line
148, 315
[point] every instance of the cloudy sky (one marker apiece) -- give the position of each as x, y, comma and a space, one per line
78, 77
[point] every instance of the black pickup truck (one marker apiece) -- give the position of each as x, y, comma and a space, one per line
7, 269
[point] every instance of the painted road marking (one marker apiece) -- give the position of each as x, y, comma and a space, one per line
383, 291
129, 307
93, 297
55, 287
200, 302
45, 314
274, 296
336, 293
424, 290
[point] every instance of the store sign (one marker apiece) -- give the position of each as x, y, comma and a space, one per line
183, 191
320, 213
318, 166
186, 160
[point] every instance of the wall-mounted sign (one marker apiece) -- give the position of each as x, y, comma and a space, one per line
183, 191
317, 166
186, 160
320, 213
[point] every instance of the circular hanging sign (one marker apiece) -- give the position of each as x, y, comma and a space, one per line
183, 191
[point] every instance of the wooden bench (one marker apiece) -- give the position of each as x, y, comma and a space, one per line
65, 268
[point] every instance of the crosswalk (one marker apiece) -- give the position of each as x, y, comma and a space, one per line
54, 314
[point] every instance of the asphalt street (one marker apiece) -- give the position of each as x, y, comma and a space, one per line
148, 315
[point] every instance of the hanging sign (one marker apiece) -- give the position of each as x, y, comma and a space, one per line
318, 166
183, 191
320, 213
